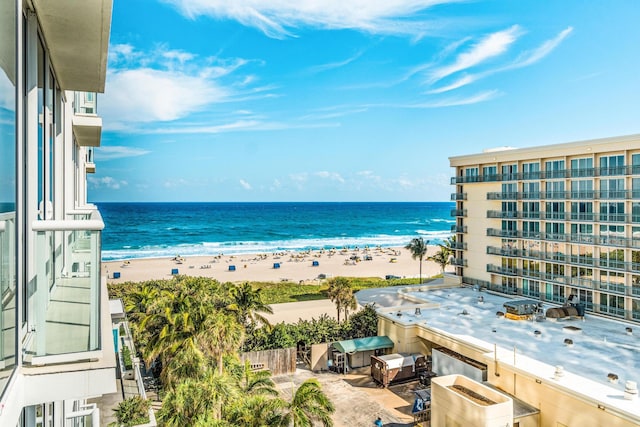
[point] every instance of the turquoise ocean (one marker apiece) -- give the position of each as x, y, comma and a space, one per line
152, 230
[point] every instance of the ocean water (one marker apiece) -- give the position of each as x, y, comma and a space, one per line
150, 230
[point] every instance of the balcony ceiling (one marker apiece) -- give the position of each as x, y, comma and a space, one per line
87, 130
77, 35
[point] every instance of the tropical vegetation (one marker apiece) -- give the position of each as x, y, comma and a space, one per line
418, 248
192, 329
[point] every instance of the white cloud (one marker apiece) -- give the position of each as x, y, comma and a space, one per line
332, 176
456, 101
493, 45
279, 18
523, 60
7, 93
245, 184
165, 85
334, 65
148, 95
180, 182
118, 152
543, 50
106, 182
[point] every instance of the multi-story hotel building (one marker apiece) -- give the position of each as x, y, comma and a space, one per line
552, 222
56, 348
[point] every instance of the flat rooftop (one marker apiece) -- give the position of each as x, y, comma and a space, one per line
600, 346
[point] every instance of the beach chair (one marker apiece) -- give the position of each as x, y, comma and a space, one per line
174, 271
276, 265
232, 268
315, 264
116, 274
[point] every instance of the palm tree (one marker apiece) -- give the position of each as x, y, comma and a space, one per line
441, 258
341, 294
308, 404
418, 248
198, 401
247, 303
256, 383
221, 334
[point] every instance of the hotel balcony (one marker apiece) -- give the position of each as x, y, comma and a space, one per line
65, 295
77, 35
460, 262
458, 228
7, 296
87, 126
459, 212
459, 196
556, 174
590, 239
89, 165
459, 245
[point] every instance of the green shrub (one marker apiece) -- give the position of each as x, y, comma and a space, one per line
132, 411
126, 358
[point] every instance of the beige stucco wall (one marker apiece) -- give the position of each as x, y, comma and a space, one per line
555, 405
449, 408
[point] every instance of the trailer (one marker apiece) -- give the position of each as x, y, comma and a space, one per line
392, 368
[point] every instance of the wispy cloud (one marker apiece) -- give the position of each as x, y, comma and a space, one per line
106, 182
493, 45
457, 101
245, 184
188, 84
333, 113
280, 19
332, 176
525, 59
118, 152
333, 65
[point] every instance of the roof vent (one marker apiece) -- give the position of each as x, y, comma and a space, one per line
631, 390
613, 378
537, 333
418, 312
559, 373
629, 331
568, 342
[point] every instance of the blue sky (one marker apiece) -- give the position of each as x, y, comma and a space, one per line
350, 100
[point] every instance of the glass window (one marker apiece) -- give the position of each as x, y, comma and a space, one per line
509, 171
577, 164
489, 173
612, 165
7, 192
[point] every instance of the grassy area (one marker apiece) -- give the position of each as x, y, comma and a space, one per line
279, 292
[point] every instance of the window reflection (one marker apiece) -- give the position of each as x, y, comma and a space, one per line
7, 189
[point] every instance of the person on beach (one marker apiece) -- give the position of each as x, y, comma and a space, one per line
378, 422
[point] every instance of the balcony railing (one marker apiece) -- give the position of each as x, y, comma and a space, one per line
614, 311
459, 196
64, 304
586, 194
7, 296
459, 212
459, 245
616, 288
458, 228
554, 174
613, 194
460, 262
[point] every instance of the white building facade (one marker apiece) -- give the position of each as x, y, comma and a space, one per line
56, 349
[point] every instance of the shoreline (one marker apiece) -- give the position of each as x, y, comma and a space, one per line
306, 266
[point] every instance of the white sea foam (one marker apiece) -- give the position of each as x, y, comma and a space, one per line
247, 247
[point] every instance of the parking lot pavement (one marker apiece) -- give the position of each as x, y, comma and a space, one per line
357, 398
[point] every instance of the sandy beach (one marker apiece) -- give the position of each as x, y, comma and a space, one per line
305, 266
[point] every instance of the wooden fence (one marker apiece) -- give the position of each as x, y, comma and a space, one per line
280, 361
